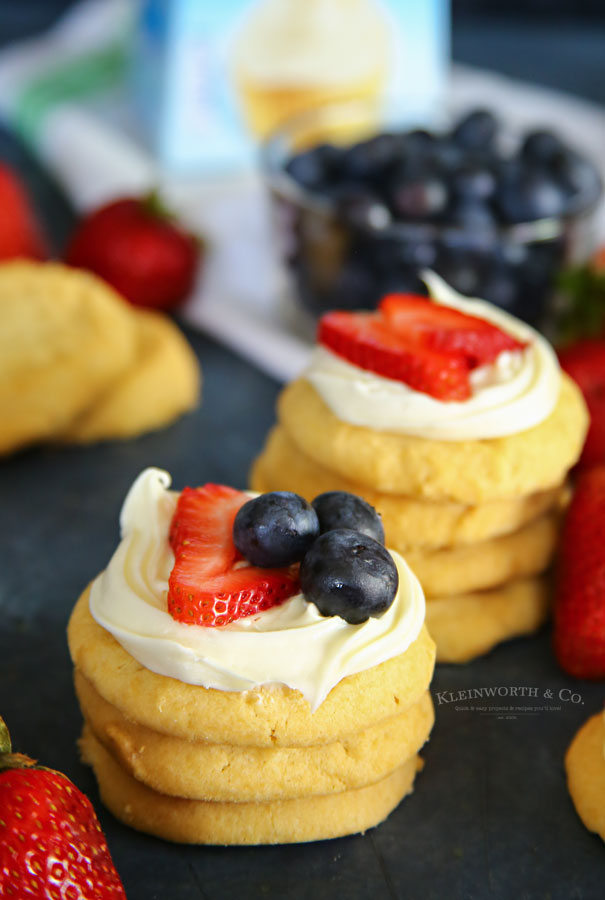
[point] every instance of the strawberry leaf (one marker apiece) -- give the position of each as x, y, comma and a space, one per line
5, 738
582, 299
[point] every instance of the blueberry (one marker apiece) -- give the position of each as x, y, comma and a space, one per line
512, 254
578, 178
348, 574
475, 244
340, 509
362, 208
541, 147
471, 213
314, 167
524, 196
275, 529
446, 156
419, 254
414, 250
473, 182
368, 160
409, 168
418, 140
476, 130
419, 198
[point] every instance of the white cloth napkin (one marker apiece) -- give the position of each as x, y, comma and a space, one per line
92, 149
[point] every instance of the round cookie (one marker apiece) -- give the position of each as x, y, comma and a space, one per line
468, 625
470, 472
585, 768
162, 382
65, 337
203, 771
275, 822
408, 522
477, 567
265, 717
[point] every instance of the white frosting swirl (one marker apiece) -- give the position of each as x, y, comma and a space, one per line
519, 390
290, 644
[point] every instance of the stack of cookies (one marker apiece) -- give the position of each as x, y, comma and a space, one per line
476, 519
194, 765
79, 364
282, 724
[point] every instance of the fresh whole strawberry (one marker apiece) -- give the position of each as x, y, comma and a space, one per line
210, 584
579, 615
20, 234
51, 843
136, 246
584, 361
430, 347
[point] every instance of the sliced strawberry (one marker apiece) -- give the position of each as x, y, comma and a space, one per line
204, 518
445, 329
368, 341
579, 615
208, 585
584, 361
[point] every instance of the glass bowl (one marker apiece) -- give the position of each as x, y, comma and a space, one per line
342, 253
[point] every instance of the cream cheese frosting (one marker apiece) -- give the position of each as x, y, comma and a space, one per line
290, 644
519, 390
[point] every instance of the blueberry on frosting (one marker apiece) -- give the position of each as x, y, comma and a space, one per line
275, 529
348, 574
340, 509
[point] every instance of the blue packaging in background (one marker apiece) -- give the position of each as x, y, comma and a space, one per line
212, 79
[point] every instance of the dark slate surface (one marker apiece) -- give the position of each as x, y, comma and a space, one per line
490, 816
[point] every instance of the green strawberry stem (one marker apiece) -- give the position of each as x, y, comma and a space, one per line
8, 759
155, 206
17, 761
582, 312
5, 738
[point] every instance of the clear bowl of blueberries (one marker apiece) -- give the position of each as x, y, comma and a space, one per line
360, 210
